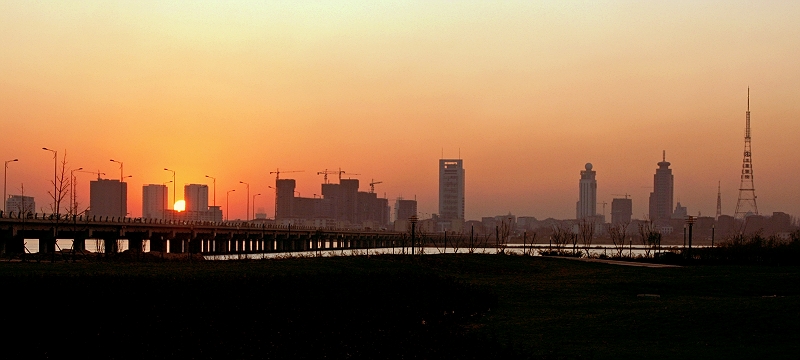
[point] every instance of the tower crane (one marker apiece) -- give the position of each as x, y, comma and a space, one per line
278, 172
326, 173
626, 195
372, 185
344, 172
604, 208
98, 173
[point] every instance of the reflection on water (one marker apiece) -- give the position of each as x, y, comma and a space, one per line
92, 245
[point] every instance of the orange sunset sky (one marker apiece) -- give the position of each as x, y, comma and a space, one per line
528, 91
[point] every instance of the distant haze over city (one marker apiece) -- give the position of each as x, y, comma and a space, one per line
525, 93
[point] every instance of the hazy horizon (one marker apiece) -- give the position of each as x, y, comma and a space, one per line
526, 93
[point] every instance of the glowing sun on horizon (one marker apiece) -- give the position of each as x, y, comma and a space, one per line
180, 205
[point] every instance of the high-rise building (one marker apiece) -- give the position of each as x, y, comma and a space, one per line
661, 199
451, 189
155, 198
20, 204
587, 194
404, 209
284, 198
108, 198
621, 211
196, 197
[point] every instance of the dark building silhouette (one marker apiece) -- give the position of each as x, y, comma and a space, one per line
587, 194
284, 198
451, 189
621, 211
661, 197
108, 198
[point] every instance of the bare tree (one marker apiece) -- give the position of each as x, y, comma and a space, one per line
560, 236
649, 237
502, 233
617, 232
528, 250
61, 185
586, 229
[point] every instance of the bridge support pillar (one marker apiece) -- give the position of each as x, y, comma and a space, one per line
47, 244
136, 244
176, 245
110, 245
79, 243
157, 243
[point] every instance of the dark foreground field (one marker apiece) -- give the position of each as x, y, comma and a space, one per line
384, 307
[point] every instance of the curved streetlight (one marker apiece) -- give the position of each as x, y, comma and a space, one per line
227, 204
5, 179
254, 206
215, 188
120, 169
247, 209
55, 170
173, 187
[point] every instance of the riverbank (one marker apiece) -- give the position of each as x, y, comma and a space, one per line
435, 306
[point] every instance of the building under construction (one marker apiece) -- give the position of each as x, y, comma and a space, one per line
341, 205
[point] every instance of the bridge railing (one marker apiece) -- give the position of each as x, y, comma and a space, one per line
84, 218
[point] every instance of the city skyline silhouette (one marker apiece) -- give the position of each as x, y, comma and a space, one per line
526, 94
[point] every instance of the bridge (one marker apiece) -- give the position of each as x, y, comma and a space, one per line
173, 236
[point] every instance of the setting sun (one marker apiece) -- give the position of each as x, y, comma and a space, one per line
180, 205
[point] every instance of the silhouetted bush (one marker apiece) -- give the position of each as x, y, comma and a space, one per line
752, 249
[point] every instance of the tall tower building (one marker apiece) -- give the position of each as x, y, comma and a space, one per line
196, 197
661, 199
746, 204
587, 194
154, 201
108, 198
451, 189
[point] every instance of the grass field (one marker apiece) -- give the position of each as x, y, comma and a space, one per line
434, 306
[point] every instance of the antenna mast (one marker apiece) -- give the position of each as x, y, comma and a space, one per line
746, 204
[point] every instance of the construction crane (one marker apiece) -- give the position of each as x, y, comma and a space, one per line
344, 172
278, 172
604, 208
98, 173
326, 173
626, 195
372, 185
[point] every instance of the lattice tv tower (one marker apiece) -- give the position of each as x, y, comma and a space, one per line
746, 205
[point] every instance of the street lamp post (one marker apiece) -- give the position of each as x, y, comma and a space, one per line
72, 200
165, 197
413, 220
173, 187
121, 200
215, 188
120, 168
55, 170
254, 205
227, 204
75, 188
247, 210
5, 179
